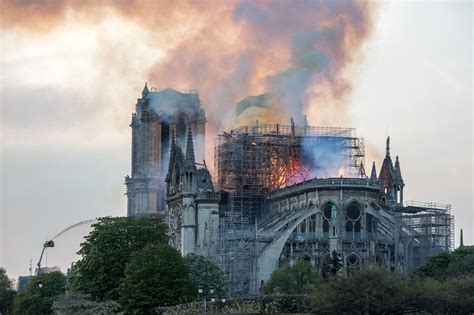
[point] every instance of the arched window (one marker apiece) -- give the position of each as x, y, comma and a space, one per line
353, 220
328, 211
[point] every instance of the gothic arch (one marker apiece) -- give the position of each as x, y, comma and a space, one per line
270, 254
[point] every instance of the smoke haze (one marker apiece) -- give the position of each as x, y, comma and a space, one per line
230, 49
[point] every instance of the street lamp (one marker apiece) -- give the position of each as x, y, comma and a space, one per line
40, 285
201, 292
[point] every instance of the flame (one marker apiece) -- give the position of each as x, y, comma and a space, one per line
341, 171
284, 175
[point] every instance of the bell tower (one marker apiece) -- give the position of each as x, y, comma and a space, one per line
159, 115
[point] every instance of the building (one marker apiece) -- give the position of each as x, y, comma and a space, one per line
159, 115
281, 193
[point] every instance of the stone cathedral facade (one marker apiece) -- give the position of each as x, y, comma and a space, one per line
249, 228
159, 116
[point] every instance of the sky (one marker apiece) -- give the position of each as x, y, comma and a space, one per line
70, 77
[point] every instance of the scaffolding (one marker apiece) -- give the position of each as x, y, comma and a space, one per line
263, 158
428, 230
251, 162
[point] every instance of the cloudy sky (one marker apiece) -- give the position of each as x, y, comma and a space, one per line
71, 73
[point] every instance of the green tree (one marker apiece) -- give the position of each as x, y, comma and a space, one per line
335, 263
107, 250
207, 275
156, 276
446, 265
80, 304
42, 290
7, 294
365, 291
301, 278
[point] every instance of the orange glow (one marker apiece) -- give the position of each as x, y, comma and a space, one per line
341, 171
293, 172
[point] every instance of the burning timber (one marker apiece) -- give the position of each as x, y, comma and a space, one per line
279, 194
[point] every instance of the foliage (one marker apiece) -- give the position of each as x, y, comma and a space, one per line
80, 304
7, 294
107, 250
335, 263
156, 276
378, 291
207, 275
301, 278
36, 300
444, 265
244, 305
372, 290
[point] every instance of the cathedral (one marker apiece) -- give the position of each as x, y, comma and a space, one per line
278, 194
159, 118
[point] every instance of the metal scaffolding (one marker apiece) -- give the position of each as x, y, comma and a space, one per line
429, 230
252, 161
263, 158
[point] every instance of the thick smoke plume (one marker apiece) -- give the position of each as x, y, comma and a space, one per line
296, 50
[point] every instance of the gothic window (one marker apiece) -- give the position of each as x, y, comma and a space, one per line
312, 223
326, 226
353, 218
329, 211
352, 262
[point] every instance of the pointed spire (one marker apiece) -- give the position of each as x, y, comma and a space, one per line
387, 149
373, 174
145, 90
397, 164
461, 240
190, 161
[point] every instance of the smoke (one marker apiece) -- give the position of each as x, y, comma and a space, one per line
298, 51
326, 158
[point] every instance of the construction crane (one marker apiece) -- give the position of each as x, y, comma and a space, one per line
50, 243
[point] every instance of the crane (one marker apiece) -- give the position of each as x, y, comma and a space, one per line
50, 243
45, 245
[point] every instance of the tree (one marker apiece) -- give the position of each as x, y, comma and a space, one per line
42, 290
301, 278
207, 275
365, 291
446, 265
107, 250
80, 304
7, 293
335, 263
156, 276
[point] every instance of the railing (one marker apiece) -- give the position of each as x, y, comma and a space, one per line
159, 89
297, 130
428, 205
328, 183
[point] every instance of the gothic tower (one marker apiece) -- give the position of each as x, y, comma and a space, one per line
391, 178
158, 115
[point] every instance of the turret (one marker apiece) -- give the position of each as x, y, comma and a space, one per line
373, 174
398, 181
386, 172
190, 164
145, 91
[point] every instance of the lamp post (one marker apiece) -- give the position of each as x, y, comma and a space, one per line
201, 292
